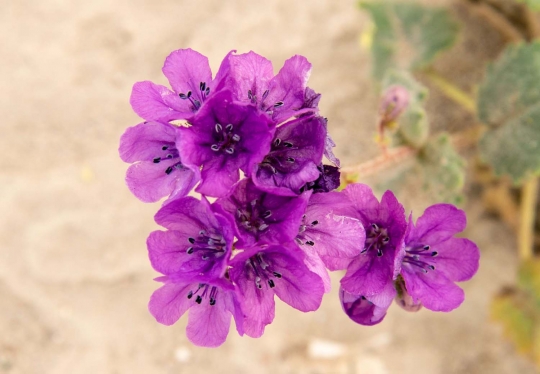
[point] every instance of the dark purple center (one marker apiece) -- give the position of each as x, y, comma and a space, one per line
278, 159
225, 139
376, 238
168, 151
254, 217
262, 105
204, 291
261, 272
420, 256
210, 246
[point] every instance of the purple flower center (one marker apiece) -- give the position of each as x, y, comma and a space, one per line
420, 256
302, 238
204, 291
254, 100
277, 160
261, 272
196, 104
253, 218
210, 246
225, 139
376, 238
169, 152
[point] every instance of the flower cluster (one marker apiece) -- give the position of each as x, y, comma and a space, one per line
269, 221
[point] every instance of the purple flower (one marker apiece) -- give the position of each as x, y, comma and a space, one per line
296, 151
329, 179
369, 310
328, 231
157, 169
190, 77
261, 217
261, 272
434, 259
210, 304
378, 264
226, 137
251, 78
198, 242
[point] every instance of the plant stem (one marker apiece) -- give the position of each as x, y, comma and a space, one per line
451, 90
529, 193
388, 158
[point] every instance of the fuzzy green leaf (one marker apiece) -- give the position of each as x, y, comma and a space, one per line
509, 103
426, 31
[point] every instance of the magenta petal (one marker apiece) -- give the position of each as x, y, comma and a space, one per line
208, 325
367, 311
315, 264
250, 72
458, 259
368, 275
157, 103
145, 141
169, 303
439, 223
433, 290
218, 177
364, 201
186, 69
149, 182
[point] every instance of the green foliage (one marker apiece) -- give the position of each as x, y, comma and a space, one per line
412, 124
509, 103
518, 310
425, 31
533, 4
443, 169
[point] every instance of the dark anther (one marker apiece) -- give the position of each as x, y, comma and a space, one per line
190, 295
198, 300
188, 94
288, 144
278, 104
250, 95
169, 170
379, 252
229, 127
202, 86
259, 286
276, 274
310, 243
218, 127
433, 254
363, 297
182, 96
197, 103
267, 214
191, 240
426, 248
431, 267
214, 147
375, 227
157, 160
386, 240
189, 250
265, 94
230, 150
314, 223
236, 137
205, 258
212, 301
169, 156
271, 283
207, 92
164, 148
277, 141
290, 159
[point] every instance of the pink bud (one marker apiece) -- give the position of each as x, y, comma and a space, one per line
393, 103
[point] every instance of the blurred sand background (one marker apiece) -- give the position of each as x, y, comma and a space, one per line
74, 273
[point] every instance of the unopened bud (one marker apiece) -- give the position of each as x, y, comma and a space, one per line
403, 299
393, 103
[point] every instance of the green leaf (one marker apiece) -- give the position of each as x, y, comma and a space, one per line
511, 310
509, 103
426, 31
533, 4
443, 169
413, 126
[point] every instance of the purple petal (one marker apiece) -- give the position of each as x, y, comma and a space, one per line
288, 87
170, 302
208, 325
458, 259
145, 141
439, 223
218, 176
249, 72
364, 202
186, 69
329, 179
150, 182
367, 311
368, 275
157, 103
433, 290
317, 266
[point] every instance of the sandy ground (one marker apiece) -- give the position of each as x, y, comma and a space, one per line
74, 273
